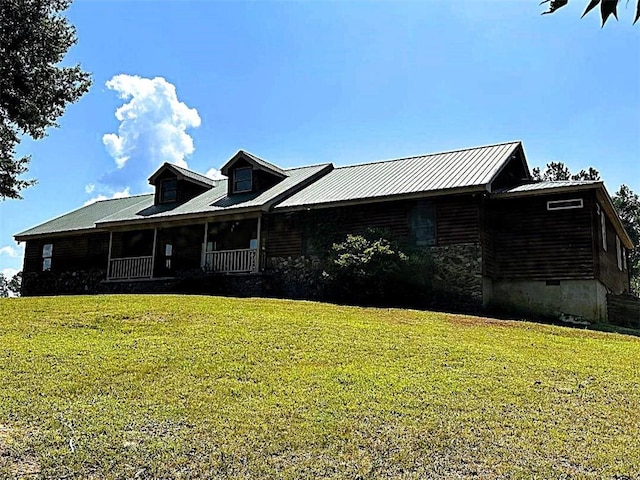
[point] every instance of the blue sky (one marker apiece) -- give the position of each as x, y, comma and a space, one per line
344, 82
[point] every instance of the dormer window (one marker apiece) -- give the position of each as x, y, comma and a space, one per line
242, 179
168, 190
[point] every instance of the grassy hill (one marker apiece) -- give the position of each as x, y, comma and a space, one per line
202, 387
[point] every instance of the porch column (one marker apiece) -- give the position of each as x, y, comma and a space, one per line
109, 256
259, 239
203, 260
153, 252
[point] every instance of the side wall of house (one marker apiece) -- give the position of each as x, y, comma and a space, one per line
78, 262
295, 241
612, 273
551, 262
532, 242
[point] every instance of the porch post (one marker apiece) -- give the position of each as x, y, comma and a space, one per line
153, 252
259, 239
109, 256
203, 260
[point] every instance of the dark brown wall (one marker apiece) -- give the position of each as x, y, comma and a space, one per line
79, 252
607, 267
532, 242
291, 234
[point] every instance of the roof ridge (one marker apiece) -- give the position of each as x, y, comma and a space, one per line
323, 164
429, 154
193, 172
116, 198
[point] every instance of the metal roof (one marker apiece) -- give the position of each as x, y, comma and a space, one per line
141, 208
85, 217
472, 167
257, 161
194, 175
264, 163
216, 201
546, 186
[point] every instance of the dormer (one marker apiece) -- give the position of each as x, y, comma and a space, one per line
250, 174
176, 185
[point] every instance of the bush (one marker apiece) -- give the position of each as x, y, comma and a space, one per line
370, 268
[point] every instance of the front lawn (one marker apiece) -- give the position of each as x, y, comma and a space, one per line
205, 387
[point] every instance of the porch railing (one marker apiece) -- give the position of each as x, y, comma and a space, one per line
130, 268
231, 261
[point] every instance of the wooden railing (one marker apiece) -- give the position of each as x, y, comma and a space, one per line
231, 261
130, 268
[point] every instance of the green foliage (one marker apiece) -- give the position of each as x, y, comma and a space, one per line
34, 38
628, 205
15, 284
365, 268
607, 8
4, 286
559, 171
163, 386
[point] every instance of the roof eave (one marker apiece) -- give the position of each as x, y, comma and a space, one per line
403, 196
545, 191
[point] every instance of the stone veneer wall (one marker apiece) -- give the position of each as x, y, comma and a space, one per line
64, 283
296, 277
456, 277
457, 273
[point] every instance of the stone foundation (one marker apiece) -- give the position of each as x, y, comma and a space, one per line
457, 273
64, 283
296, 277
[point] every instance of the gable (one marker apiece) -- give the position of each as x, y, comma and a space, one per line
249, 174
176, 185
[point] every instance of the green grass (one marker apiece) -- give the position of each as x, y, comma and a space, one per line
205, 387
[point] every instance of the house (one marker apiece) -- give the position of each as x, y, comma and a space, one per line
496, 238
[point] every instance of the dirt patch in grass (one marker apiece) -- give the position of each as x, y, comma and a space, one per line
15, 458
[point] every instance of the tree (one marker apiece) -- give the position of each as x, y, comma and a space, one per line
34, 89
4, 286
607, 8
15, 284
559, 171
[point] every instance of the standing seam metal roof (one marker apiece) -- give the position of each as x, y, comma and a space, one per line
440, 171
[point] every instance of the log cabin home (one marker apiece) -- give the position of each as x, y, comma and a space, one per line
495, 236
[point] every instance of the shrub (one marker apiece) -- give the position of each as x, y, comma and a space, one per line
370, 268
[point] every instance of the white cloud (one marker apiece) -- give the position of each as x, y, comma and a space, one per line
153, 124
214, 174
13, 252
121, 194
10, 251
90, 187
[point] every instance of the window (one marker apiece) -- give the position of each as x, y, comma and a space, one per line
168, 190
242, 180
422, 224
47, 253
168, 252
564, 204
624, 258
603, 229
619, 252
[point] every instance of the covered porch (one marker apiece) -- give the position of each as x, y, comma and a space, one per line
218, 246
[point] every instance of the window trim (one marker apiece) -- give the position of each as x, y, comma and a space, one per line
164, 190
603, 229
47, 256
554, 204
235, 179
619, 252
